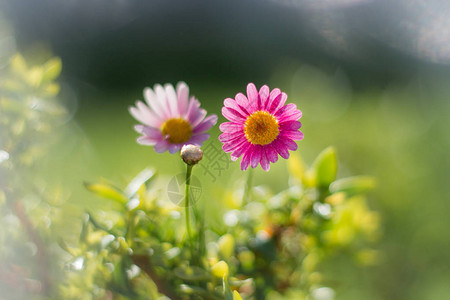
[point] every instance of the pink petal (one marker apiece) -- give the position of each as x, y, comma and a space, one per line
290, 144
230, 126
230, 146
277, 103
264, 95
230, 136
238, 151
162, 99
231, 103
138, 128
148, 131
232, 115
172, 99
242, 101
264, 161
252, 92
152, 132
152, 101
294, 135
206, 124
174, 148
162, 146
195, 114
283, 101
137, 115
253, 96
145, 140
183, 97
292, 114
290, 125
144, 115
272, 96
198, 139
201, 114
256, 156
281, 149
245, 162
271, 153
285, 111
193, 107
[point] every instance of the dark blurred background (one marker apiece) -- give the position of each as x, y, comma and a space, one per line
117, 43
371, 77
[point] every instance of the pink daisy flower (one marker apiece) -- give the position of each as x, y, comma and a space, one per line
171, 119
261, 127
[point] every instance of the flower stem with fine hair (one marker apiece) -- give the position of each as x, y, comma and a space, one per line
187, 192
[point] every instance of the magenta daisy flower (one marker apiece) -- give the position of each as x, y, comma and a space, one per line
171, 119
261, 127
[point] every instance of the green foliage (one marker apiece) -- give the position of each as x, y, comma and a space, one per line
107, 191
278, 247
29, 111
135, 246
325, 168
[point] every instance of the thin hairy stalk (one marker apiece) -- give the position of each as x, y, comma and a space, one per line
187, 209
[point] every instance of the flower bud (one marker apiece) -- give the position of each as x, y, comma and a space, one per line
191, 154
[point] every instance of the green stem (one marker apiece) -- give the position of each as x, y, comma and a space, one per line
200, 247
248, 187
188, 223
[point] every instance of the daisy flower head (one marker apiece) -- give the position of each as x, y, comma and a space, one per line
261, 127
171, 119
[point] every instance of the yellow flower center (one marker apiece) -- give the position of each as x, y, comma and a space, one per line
261, 128
178, 130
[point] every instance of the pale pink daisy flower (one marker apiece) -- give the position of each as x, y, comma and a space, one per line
261, 127
171, 119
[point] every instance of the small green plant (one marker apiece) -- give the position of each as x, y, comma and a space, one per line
145, 246
29, 112
267, 246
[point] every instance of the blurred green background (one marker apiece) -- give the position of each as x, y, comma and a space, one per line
370, 77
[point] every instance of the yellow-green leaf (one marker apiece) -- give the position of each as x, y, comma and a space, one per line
107, 191
51, 90
236, 295
18, 64
220, 269
34, 76
353, 185
325, 167
191, 273
52, 69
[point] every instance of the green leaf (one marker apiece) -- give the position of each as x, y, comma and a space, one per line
107, 191
52, 69
143, 177
120, 282
325, 167
191, 273
99, 226
227, 290
72, 251
18, 64
353, 185
84, 228
192, 290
